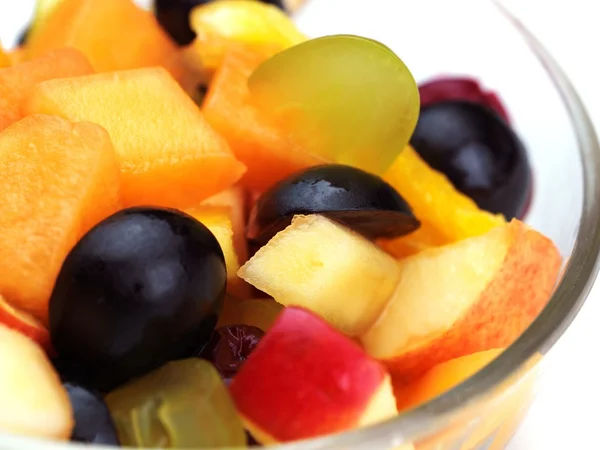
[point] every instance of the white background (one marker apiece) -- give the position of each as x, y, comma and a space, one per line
564, 415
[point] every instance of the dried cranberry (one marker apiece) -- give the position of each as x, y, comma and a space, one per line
230, 346
460, 88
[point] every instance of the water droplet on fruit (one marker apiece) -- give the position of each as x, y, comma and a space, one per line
480, 154
230, 346
346, 98
350, 196
143, 287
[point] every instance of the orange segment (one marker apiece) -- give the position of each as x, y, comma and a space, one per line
266, 152
17, 81
168, 154
446, 215
113, 34
59, 179
442, 378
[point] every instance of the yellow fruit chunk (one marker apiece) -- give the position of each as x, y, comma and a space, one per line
218, 220
446, 215
223, 25
327, 268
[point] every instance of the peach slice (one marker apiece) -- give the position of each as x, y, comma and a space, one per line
442, 378
305, 380
327, 268
34, 403
25, 324
470, 296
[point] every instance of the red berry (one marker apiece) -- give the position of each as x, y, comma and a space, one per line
460, 88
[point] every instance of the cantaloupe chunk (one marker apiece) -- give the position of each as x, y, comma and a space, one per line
113, 34
4, 58
16, 81
218, 220
168, 154
266, 152
58, 180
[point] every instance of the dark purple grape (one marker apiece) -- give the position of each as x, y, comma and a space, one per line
350, 196
173, 16
93, 423
143, 287
230, 346
480, 154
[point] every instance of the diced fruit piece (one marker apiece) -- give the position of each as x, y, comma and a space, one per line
230, 347
17, 81
445, 214
460, 88
130, 37
25, 324
34, 403
305, 379
162, 141
234, 199
442, 378
4, 58
217, 220
266, 152
322, 266
43, 9
143, 287
350, 196
474, 295
17, 56
174, 16
93, 423
59, 179
260, 313
226, 24
184, 404
300, 90
478, 152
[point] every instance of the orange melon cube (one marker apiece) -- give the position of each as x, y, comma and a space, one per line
58, 180
266, 152
168, 154
113, 34
4, 58
16, 81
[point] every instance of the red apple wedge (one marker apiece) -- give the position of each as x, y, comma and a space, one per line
34, 403
306, 379
474, 295
25, 324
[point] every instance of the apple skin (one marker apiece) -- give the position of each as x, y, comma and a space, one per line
34, 402
305, 379
25, 324
512, 298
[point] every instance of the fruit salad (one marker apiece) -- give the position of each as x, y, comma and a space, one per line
218, 232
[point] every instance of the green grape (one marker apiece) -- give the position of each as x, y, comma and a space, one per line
184, 404
346, 98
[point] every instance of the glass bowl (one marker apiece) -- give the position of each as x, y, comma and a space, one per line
483, 40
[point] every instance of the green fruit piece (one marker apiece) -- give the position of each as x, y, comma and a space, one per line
184, 404
346, 98
259, 313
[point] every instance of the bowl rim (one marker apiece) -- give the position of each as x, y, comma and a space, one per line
579, 275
